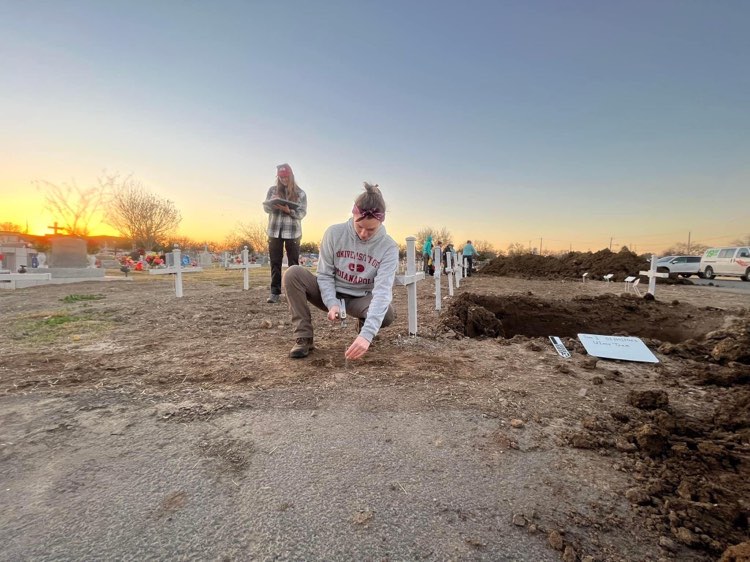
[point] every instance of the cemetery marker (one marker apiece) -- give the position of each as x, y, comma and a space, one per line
652, 275
410, 282
617, 347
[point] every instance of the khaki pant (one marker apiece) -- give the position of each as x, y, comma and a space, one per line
301, 287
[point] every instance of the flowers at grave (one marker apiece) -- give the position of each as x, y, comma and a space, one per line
154, 260
126, 264
126, 261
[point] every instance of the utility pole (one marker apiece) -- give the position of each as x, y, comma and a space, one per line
610, 243
688, 248
540, 246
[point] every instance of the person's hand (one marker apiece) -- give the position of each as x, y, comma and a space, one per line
333, 314
282, 208
358, 348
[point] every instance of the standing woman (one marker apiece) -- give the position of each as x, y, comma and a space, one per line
284, 224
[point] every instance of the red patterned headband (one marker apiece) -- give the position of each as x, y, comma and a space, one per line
368, 214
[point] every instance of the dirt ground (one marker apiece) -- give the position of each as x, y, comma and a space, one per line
634, 461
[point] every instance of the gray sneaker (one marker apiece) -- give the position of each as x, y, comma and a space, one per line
302, 348
273, 299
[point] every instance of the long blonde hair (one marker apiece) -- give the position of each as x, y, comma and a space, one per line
290, 192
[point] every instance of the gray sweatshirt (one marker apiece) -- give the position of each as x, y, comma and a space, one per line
356, 267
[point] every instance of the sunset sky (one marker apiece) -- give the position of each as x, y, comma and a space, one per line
507, 121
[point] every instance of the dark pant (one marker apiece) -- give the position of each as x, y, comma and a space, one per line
276, 253
470, 264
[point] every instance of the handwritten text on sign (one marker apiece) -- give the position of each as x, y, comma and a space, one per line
617, 347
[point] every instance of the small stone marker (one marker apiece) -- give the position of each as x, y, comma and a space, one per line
624, 348
583, 277
410, 282
652, 275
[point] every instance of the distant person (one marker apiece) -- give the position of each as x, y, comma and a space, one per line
427, 256
357, 264
284, 224
437, 254
469, 252
449, 249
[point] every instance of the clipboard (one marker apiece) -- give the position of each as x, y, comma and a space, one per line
269, 203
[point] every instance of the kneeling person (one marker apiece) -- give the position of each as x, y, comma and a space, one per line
357, 263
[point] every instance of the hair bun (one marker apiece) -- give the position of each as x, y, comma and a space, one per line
370, 188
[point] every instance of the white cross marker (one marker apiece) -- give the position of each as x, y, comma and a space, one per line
245, 265
449, 270
437, 261
410, 282
652, 275
458, 269
177, 269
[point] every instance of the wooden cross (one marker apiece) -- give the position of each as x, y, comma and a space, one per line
652, 275
55, 228
410, 282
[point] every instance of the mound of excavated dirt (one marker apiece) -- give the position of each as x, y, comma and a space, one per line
573, 265
691, 487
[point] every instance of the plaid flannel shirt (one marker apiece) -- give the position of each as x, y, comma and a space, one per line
281, 225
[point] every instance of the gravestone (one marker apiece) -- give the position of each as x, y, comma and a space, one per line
68, 259
68, 252
205, 258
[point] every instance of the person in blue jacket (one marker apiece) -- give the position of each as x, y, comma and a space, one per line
469, 253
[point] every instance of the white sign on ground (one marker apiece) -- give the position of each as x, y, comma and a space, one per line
625, 348
559, 346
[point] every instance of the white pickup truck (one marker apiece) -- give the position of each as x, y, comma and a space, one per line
679, 265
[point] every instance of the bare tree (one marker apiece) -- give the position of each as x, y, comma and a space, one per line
10, 227
256, 234
681, 249
141, 216
742, 241
517, 249
234, 242
73, 206
485, 250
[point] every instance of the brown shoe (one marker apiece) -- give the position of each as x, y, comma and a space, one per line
302, 348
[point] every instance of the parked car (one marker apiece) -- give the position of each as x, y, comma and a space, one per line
679, 265
730, 262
